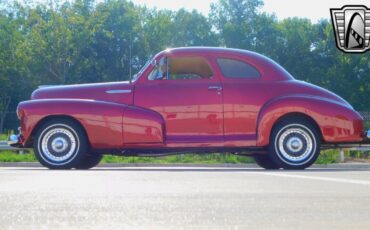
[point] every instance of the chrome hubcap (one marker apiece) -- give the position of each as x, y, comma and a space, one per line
296, 145
58, 145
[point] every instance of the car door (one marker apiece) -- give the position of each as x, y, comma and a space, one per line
188, 95
243, 95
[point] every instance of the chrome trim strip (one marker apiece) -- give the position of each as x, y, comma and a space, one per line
47, 86
218, 88
119, 91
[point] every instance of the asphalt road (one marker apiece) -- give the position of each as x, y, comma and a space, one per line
184, 198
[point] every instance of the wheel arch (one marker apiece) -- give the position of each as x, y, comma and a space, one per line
298, 116
46, 119
284, 108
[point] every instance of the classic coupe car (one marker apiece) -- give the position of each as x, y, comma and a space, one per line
189, 100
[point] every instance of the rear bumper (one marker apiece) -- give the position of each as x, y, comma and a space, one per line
365, 143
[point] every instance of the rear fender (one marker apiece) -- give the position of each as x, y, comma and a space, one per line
337, 122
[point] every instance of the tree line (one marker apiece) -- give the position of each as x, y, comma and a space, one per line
87, 41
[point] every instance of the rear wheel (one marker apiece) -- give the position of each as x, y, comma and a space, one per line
265, 162
60, 144
294, 144
89, 161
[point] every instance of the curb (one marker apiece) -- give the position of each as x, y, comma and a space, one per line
352, 166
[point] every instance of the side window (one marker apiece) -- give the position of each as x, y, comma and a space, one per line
231, 68
181, 68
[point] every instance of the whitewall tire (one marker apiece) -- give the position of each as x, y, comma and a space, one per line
60, 144
294, 144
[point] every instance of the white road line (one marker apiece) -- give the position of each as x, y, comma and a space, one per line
349, 181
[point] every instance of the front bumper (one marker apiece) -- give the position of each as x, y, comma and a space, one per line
15, 140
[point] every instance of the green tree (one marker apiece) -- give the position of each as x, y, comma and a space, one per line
9, 65
235, 21
192, 29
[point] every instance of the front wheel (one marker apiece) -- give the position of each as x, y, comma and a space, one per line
294, 144
60, 144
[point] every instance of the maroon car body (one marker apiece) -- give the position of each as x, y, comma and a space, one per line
196, 100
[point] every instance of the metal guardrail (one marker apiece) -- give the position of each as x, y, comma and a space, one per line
359, 148
4, 146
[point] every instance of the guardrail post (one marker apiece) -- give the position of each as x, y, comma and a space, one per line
341, 155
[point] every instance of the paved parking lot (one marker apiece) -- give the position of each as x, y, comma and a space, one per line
184, 198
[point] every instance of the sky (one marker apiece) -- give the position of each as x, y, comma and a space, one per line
312, 9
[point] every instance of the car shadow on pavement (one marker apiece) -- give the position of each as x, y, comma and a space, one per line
161, 168
224, 170
190, 170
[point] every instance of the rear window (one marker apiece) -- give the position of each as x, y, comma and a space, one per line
231, 68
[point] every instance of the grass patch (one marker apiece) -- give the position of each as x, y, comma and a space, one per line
10, 156
326, 157
216, 158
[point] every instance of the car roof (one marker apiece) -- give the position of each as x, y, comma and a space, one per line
205, 49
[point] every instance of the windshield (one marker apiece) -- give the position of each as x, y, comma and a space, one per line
137, 76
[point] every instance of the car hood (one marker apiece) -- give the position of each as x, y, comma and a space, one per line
97, 91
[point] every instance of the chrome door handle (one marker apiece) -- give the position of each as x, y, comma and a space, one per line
215, 88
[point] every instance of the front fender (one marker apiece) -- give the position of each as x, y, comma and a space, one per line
142, 126
337, 122
101, 120
107, 125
